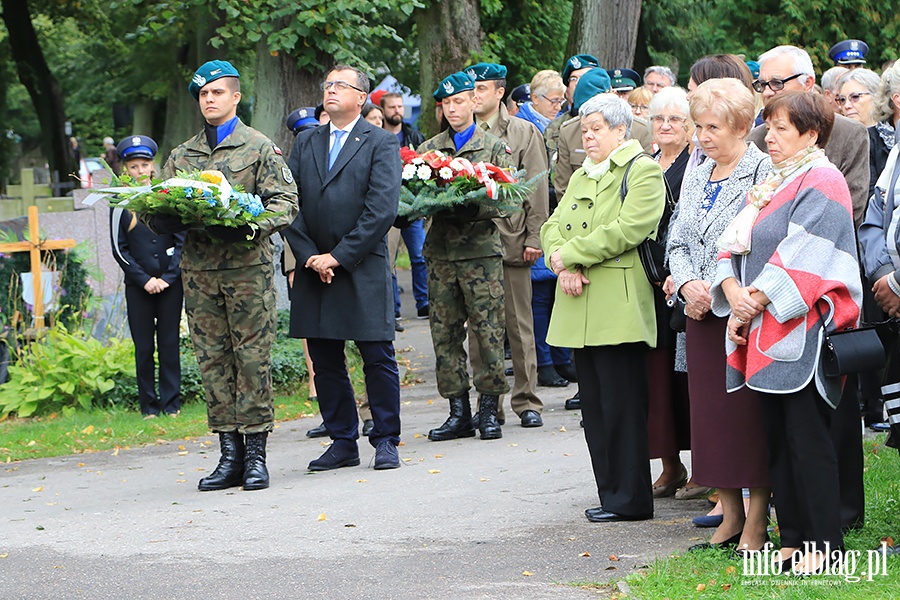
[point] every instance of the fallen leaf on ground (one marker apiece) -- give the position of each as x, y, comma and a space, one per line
362, 481
431, 402
434, 471
513, 445
4, 555
321, 517
417, 435
38, 489
182, 453
527, 573
80, 464
406, 459
726, 586
567, 454
572, 539
585, 554
181, 481
613, 557
349, 525
610, 568
181, 447
562, 429
484, 479
402, 444
439, 456
701, 587
731, 570
88, 430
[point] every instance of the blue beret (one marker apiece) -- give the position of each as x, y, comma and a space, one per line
302, 119
624, 80
486, 71
849, 52
595, 81
137, 146
454, 84
579, 61
210, 71
754, 68
521, 94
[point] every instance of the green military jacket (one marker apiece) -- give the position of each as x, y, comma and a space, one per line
452, 238
246, 158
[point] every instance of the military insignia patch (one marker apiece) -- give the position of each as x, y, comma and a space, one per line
448, 87
199, 79
277, 150
288, 176
576, 64
508, 150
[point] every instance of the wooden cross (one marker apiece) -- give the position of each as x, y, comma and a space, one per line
34, 246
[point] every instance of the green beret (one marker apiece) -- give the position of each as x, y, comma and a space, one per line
210, 71
595, 81
454, 84
486, 71
579, 61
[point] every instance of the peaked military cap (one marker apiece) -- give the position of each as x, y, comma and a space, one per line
210, 71
454, 84
137, 146
579, 61
486, 71
849, 52
595, 81
302, 119
624, 80
521, 94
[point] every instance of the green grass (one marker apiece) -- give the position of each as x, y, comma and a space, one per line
712, 574
108, 428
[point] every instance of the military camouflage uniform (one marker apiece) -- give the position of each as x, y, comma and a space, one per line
465, 280
229, 292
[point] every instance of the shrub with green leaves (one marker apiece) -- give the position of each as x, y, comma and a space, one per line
62, 371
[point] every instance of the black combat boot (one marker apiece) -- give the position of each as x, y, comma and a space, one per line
230, 470
487, 418
256, 476
458, 424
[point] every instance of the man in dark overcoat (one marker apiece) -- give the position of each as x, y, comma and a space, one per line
348, 176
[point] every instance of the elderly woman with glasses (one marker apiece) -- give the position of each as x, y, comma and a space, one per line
669, 422
722, 456
548, 93
604, 302
856, 95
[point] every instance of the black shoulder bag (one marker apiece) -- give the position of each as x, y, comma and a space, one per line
652, 251
851, 350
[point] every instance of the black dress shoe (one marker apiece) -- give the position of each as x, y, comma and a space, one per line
574, 403
727, 544
531, 418
423, 312
368, 426
879, 427
317, 432
548, 377
386, 456
509, 372
335, 457
609, 517
595, 510
567, 372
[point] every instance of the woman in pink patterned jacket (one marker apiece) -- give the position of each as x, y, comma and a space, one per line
802, 263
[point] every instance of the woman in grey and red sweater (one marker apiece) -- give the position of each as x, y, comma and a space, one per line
803, 262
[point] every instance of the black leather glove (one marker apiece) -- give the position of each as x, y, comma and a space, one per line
166, 224
465, 212
231, 235
402, 222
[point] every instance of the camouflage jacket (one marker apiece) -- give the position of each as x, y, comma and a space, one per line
247, 158
452, 238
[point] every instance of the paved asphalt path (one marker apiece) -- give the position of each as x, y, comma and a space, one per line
460, 519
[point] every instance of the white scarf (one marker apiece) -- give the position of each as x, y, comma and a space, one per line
596, 171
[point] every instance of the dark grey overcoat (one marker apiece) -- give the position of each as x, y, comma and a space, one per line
346, 211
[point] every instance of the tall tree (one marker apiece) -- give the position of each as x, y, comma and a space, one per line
605, 28
449, 33
41, 84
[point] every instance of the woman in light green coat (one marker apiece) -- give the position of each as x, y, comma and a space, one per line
604, 302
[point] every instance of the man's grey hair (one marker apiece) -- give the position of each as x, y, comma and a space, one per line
661, 70
830, 78
800, 61
614, 110
670, 97
890, 85
362, 80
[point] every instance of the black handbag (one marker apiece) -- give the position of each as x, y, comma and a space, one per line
678, 320
851, 350
652, 251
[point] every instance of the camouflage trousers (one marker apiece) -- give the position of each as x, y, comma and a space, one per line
232, 318
459, 291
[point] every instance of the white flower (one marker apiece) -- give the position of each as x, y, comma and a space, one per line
446, 173
423, 172
418, 161
409, 171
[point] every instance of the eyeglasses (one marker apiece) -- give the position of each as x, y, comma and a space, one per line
340, 86
639, 106
551, 101
853, 98
671, 120
776, 85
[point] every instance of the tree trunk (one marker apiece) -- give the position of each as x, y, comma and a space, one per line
143, 118
449, 34
606, 29
281, 86
42, 86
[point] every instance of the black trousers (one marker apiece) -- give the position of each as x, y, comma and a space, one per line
846, 437
614, 402
154, 320
803, 467
337, 401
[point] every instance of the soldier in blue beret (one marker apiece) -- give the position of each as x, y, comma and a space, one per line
209, 72
623, 81
302, 119
153, 290
849, 53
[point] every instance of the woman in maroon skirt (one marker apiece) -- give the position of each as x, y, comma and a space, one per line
728, 443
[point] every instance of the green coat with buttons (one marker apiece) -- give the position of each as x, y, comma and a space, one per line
593, 229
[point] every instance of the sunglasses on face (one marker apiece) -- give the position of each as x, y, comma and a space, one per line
776, 85
853, 98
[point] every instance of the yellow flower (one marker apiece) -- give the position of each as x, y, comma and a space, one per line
211, 176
